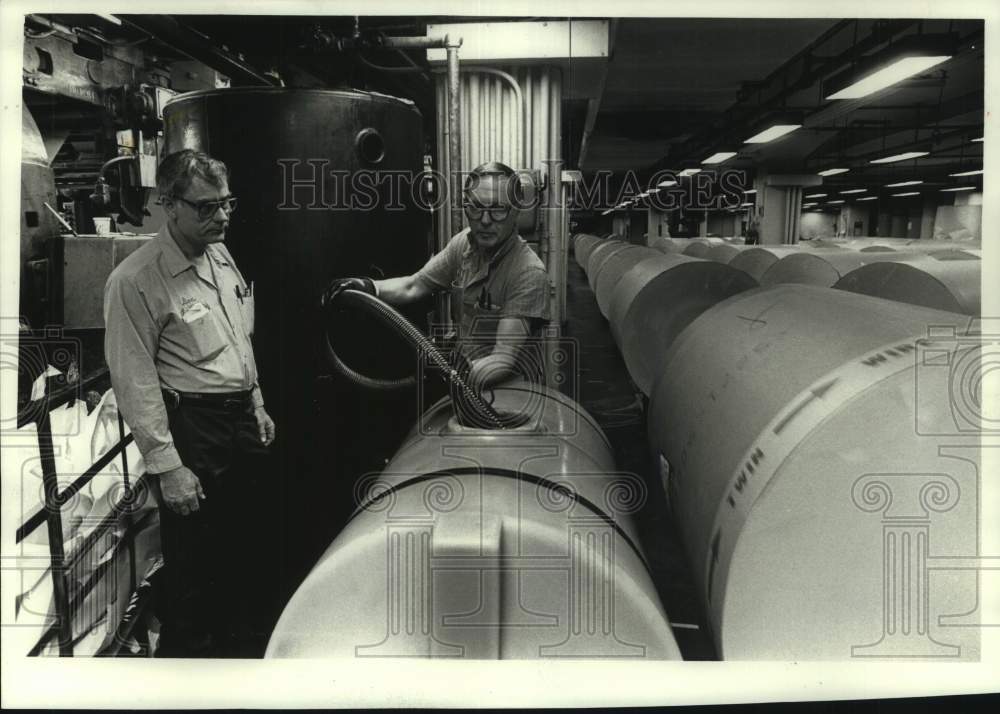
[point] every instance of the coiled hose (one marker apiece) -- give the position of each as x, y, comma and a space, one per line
469, 405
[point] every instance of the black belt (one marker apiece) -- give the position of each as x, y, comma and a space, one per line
219, 400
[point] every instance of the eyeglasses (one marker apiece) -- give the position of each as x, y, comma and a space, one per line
207, 209
497, 213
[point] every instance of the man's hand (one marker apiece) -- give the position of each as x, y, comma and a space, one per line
364, 285
181, 490
265, 425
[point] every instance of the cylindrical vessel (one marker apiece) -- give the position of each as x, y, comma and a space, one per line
756, 260
601, 254
665, 245
612, 270
655, 300
725, 252
798, 428
489, 545
583, 244
952, 285
825, 267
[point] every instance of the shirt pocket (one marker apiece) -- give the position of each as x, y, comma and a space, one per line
204, 337
247, 313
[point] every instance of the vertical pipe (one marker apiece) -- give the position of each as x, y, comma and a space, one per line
455, 142
444, 137
557, 235
466, 121
474, 122
542, 141
53, 521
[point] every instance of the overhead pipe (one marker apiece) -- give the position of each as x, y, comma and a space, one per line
198, 47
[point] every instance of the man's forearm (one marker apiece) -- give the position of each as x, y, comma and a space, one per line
401, 291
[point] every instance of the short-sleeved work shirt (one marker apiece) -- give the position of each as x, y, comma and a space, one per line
512, 283
171, 322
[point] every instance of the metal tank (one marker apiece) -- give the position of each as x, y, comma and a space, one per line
656, 299
952, 285
824, 268
312, 169
516, 544
811, 443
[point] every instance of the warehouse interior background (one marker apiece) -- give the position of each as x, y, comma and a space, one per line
691, 180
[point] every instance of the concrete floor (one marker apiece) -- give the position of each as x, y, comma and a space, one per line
606, 391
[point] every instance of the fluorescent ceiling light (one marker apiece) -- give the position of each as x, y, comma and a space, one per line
977, 172
978, 139
719, 157
744, 205
887, 76
907, 193
607, 211
808, 205
855, 190
773, 133
690, 172
832, 172
903, 183
816, 195
834, 201
899, 157
960, 188
751, 190
109, 18
643, 194
868, 198
666, 184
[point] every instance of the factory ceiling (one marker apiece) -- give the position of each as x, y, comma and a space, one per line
673, 90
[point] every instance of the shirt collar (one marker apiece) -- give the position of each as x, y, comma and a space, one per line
175, 259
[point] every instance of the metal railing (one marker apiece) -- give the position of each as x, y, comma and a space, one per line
37, 411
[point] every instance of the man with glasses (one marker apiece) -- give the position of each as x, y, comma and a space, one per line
498, 285
179, 318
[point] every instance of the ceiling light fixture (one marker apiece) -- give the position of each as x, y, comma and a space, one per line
978, 140
888, 76
903, 183
906, 193
808, 205
690, 172
746, 205
816, 195
977, 172
666, 184
854, 190
832, 172
899, 157
719, 156
868, 198
838, 201
776, 131
750, 190
960, 188
902, 59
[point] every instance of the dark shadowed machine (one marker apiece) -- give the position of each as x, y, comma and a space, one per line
314, 171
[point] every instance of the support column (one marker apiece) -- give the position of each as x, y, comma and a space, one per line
779, 206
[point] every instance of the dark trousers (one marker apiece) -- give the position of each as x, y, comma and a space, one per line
219, 580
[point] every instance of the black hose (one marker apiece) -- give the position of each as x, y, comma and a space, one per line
469, 405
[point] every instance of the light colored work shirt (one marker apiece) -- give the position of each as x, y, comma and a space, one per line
511, 283
175, 323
